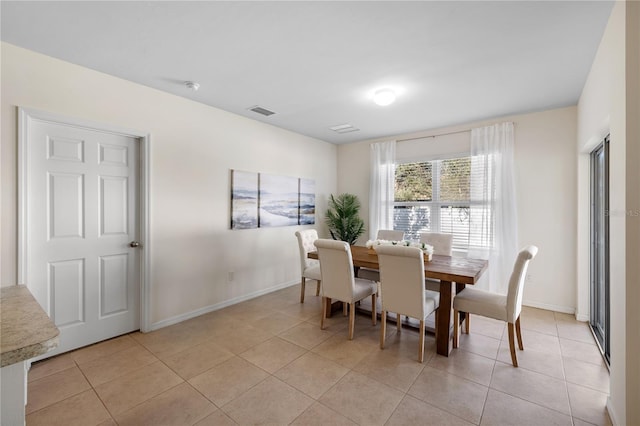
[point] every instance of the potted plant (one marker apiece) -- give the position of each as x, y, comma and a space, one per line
343, 218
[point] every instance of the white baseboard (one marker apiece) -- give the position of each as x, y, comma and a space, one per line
549, 307
188, 315
582, 318
611, 411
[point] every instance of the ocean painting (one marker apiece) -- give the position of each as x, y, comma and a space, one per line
278, 201
307, 202
244, 200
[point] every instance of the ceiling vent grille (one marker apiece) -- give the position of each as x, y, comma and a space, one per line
344, 128
260, 110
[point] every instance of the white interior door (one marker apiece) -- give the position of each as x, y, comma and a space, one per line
82, 215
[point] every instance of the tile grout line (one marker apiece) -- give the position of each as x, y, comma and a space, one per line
91, 386
564, 375
536, 372
93, 389
269, 375
489, 388
146, 400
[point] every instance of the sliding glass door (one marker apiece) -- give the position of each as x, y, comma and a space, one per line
600, 245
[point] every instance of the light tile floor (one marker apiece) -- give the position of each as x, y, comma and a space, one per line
266, 361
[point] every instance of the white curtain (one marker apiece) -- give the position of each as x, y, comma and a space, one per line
381, 190
493, 226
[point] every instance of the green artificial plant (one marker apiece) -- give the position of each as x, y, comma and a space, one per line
343, 218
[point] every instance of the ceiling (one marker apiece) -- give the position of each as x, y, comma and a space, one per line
317, 64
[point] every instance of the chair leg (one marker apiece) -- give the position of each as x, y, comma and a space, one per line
374, 315
318, 288
512, 346
421, 347
456, 328
467, 318
519, 334
345, 310
399, 322
435, 313
302, 283
352, 320
324, 312
383, 328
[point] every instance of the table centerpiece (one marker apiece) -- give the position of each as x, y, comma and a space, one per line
427, 249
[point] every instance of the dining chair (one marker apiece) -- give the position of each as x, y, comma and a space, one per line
339, 283
402, 289
310, 268
442, 245
383, 234
497, 306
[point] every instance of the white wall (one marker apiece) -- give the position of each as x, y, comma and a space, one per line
632, 218
545, 181
193, 148
609, 104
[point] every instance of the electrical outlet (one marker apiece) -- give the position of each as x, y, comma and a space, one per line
230, 276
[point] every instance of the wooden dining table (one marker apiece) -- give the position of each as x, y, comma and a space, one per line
454, 274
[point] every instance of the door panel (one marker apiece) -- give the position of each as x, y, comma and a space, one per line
114, 283
82, 204
600, 310
113, 205
65, 205
65, 149
66, 285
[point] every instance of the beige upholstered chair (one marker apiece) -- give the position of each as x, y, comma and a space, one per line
506, 308
383, 234
442, 243
402, 289
338, 281
443, 246
310, 268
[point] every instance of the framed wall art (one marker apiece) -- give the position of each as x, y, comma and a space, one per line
307, 202
260, 200
278, 200
244, 200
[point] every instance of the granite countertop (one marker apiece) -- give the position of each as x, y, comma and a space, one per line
25, 329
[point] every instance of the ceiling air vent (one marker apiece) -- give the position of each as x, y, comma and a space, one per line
260, 110
344, 128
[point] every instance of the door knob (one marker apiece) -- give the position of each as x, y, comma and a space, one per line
134, 244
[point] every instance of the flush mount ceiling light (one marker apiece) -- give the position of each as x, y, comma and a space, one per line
192, 85
384, 97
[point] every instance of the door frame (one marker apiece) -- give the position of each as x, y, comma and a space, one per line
594, 266
28, 115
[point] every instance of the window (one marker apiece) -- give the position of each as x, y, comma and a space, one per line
434, 196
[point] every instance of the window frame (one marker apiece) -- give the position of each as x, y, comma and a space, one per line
435, 205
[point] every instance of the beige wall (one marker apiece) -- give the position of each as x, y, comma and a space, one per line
193, 147
609, 104
545, 179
